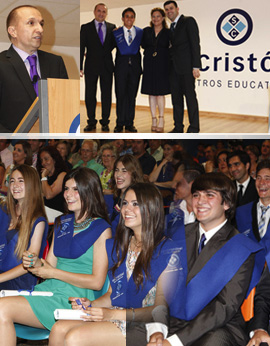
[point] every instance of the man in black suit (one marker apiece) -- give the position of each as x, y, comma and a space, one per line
97, 39
185, 64
253, 218
212, 243
127, 70
239, 167
17, 82
260, 323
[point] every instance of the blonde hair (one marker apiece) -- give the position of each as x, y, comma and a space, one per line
32, 207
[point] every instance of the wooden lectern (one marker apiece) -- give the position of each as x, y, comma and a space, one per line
55, 109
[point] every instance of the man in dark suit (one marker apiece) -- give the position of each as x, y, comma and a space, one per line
185, 64
253, 218
212, 311
259, 325
17, 80
127, 70
239, 167
97, 39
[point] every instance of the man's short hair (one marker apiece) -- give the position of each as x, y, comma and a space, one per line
191, 175
91, 141
129, 9
263, 164
99, 4
220, 183
13, 15
243, 156
170, 2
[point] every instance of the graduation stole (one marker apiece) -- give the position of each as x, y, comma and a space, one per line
122, 45
67, 246
222, 267
125, 293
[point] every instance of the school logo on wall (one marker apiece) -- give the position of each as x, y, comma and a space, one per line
234, 27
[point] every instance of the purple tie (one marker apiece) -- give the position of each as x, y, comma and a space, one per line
100, 32
33, 71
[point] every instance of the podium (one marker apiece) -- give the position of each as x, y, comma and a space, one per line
57, 109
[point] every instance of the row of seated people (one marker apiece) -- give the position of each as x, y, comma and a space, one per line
159, 277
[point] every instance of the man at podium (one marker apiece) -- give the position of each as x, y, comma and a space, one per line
23, 64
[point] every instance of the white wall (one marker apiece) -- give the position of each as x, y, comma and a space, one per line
221, 90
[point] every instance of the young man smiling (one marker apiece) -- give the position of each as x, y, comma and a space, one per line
219, 270
128, 70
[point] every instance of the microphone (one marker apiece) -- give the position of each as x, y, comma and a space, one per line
35, 79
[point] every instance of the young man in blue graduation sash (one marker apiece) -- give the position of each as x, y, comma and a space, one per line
253, 218
127, 70
221, 272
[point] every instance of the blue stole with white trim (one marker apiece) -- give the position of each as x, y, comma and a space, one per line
222, 266
67, 246
125, 293
121, 42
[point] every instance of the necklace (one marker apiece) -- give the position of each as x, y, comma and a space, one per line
136, 243
78, 227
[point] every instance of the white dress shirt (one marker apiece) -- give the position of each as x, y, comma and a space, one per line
24, 56
126, 34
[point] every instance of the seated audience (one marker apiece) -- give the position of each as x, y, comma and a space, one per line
108, 156
221, 159
64, 149
141, 275
76, 264
254, 153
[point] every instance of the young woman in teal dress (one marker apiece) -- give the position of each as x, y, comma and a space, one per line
76, 264
143, 274
23, 227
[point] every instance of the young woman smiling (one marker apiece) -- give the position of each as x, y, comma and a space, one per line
23, 227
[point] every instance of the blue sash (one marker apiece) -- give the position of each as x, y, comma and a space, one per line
125, 293
121, 42
222, 266
9, 239
67, 246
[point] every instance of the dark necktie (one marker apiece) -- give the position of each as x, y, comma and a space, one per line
33, 71
201, 243
173, 26
100, 32
240, 194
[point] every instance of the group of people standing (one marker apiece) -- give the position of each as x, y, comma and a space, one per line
170, 66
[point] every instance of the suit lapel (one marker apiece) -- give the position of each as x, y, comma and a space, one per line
213, 245
21, 71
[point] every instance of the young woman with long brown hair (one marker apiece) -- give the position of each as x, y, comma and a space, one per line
23, 227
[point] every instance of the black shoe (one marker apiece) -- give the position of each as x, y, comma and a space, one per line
118, 129
89, 128
174, 130
105, 128
131, 128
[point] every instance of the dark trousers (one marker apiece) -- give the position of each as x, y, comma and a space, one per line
184, 85
106, 97
126, 88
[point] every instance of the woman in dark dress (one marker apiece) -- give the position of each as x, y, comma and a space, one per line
155, 81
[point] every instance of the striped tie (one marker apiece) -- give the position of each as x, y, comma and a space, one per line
129, 37
262, 220
201, 244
